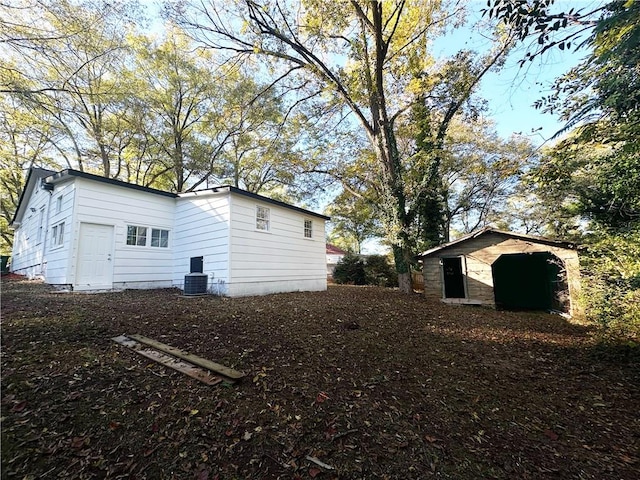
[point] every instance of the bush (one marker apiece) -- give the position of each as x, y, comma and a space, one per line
350, 269
372, 270
611, 284
379, 272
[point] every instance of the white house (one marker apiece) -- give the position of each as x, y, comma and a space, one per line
86, 232
334, 255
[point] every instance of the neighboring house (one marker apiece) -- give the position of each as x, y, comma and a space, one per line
504, 269
334, 255
87, 232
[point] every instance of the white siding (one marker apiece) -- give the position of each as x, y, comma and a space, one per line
202, 230
58, 256
27, 257
279, 260
105, 204
33, 254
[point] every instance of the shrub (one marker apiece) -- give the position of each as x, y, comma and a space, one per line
371, 270
611, 282
350, 269
379, 272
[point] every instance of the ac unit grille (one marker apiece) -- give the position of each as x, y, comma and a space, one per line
195, 283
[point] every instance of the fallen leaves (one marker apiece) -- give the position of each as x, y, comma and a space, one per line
418, 389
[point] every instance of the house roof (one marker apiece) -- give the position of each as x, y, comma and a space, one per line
261, 198
333, 250
35, 175
489, 230
52, 177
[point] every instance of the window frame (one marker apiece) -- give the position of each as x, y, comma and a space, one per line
159, 239
57, 235
59, 201
263, 222
137, 236
308, 230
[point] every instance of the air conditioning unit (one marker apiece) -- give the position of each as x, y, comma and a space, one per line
195, 283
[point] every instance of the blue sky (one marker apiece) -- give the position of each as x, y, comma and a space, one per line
511, 92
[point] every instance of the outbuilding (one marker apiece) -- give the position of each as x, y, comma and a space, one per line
85, 232
505, 270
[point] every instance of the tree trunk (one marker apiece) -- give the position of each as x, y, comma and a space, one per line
405, 282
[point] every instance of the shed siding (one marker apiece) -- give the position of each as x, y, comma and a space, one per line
202, 230
279, 260
105, 204
481, 252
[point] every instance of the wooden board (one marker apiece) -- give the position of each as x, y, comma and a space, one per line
201, 362
169, 361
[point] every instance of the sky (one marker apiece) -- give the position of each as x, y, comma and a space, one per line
511, 92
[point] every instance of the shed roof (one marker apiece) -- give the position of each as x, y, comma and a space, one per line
489, 230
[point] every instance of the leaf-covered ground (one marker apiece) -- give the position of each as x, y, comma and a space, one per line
367, 381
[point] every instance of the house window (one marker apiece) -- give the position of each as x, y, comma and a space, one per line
159, 238
262, 218
59, 204
136, 235
57, 235
308, 229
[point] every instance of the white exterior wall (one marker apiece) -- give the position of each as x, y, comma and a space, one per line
280, 260
57, 257
104, 204
27, 256
202, 230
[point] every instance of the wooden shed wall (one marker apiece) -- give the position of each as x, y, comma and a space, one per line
480, 253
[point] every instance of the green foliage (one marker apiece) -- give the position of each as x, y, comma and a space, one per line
368, 270
378, 271
611, 283
350, 269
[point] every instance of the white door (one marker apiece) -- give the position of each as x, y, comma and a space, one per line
95, 265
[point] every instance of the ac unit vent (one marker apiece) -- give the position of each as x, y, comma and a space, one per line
195, 283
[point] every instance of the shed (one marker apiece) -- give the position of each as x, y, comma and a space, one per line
504, 270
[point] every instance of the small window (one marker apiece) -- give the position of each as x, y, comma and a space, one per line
57, 235
308, 229
262, 218
136, 235
59, 204
159, 238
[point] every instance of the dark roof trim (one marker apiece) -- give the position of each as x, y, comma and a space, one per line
260, 198
59, 176
33, 171
486, 230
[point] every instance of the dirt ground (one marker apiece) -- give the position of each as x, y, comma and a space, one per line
355, 382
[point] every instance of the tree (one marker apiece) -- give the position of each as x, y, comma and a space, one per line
24, 143
354, 221
180, 103
67, 72
591, 179
480, 172
368, 56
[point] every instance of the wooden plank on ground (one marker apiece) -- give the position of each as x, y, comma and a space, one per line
169, 361
201, 362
